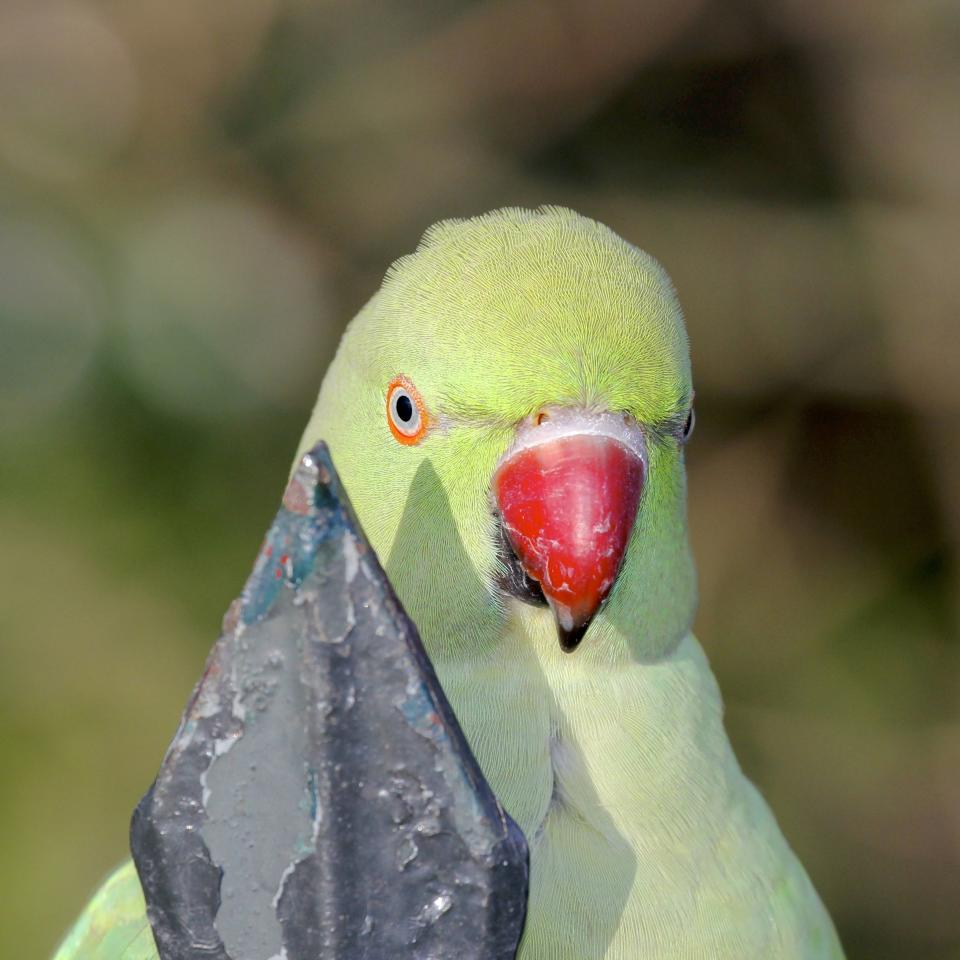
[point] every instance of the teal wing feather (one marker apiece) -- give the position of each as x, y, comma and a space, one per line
114, 925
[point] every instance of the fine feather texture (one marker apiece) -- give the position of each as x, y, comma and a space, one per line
646, 839
114, 925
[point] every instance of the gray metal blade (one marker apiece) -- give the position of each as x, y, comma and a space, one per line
319, 799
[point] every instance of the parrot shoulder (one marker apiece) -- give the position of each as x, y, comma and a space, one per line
114, 925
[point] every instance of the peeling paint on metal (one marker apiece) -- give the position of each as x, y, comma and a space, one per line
319, 761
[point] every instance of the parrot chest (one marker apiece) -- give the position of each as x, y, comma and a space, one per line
646, 840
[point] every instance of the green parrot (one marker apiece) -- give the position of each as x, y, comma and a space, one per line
509, 414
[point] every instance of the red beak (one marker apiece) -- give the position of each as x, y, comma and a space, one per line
568, 495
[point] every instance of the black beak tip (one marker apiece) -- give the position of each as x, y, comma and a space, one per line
570, 637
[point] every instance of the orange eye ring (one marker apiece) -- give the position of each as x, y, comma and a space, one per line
407, 415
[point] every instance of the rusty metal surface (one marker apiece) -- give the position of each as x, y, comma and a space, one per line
319, 799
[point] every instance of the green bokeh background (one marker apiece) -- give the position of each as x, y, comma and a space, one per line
196, 197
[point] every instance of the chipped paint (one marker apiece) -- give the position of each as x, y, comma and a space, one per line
317, 756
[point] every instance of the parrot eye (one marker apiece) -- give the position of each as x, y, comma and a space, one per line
407, 416
688, 426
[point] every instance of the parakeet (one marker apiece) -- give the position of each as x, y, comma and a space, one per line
509, 414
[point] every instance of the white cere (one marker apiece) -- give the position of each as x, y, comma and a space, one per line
563, 422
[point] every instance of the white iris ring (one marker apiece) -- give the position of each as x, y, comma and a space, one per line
411, 426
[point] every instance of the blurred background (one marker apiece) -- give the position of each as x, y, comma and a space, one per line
196, 197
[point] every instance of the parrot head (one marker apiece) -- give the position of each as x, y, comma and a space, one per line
508, 414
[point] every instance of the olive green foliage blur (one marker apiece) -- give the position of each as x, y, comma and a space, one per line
195, 198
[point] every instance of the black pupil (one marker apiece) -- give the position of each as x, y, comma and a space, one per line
688, 426
404, 408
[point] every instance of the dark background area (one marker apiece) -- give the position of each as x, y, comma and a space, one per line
196, 197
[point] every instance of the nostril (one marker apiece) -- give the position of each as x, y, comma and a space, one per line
541, 417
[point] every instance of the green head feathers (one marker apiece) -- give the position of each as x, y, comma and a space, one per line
491, 320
